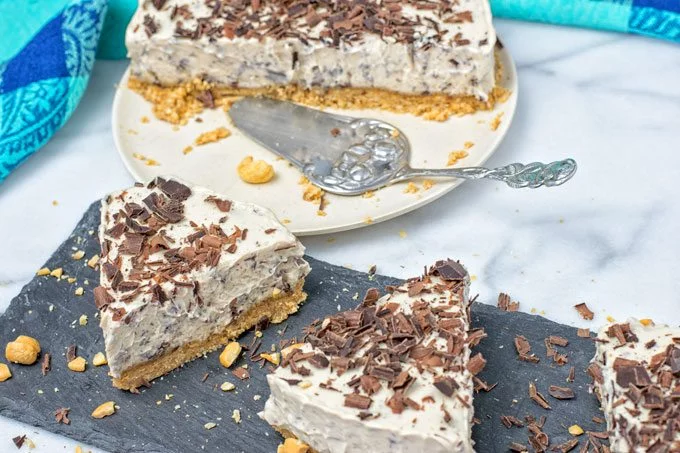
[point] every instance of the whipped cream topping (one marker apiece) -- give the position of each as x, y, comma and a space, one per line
179, 263
393, 375
410, 47
636, 371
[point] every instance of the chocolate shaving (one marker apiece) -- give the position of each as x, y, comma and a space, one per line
241, 373
584, 311
566, 447
572, 374
522, 345
222, 205
319, 361
19, 441
558, 341
583, 333
674, 361
45, 365
537, 397
449, 270
446, 385
636, 375
71, 353
476, 364
561, 393
506, 304
509, 421
595, 372
157, 294
357, 401
150, 25
175, 190
61, 415
371, 297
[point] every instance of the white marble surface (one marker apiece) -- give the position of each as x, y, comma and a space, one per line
609, 237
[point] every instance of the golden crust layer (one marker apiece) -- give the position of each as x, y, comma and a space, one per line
178, 104
276, 308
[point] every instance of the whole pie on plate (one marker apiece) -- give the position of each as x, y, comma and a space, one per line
433, 58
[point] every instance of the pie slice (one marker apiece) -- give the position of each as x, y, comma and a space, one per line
636, 371
183, 271
392, 375
429, 58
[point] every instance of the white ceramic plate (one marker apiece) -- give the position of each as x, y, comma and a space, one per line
214, 165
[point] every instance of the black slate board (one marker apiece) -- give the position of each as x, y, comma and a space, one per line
142, 425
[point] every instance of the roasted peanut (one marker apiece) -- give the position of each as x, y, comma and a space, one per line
230, 354
30, 341
255, 171
5, 373
78, 364
23, 350
99, 359
104, 410
273, 358
293, 446
575, 430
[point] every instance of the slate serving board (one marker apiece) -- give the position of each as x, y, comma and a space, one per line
170, 416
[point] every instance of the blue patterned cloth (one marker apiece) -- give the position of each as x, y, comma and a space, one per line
45, 64
656, 18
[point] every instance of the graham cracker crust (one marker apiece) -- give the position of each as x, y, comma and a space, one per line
276, 308
177, 104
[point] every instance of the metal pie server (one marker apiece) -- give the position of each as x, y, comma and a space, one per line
348, 156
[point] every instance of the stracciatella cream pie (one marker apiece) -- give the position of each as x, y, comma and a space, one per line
429, 58
636, 372
394, 375
183, 271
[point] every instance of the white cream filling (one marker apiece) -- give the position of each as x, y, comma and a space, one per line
425, 66
158, 328
269, 259
611, 392
319, 417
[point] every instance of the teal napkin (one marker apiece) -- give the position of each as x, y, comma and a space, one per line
655, 18
46, 55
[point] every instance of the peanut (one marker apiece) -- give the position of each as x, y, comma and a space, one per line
78, 364
575, 430
99, 359
292, 446
273, 358
255, 171
58, 272
230, 354
30, 341
227, 386
104, 410
23, 350
5, 373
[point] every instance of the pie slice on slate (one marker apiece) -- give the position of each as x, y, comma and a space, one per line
183, 271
